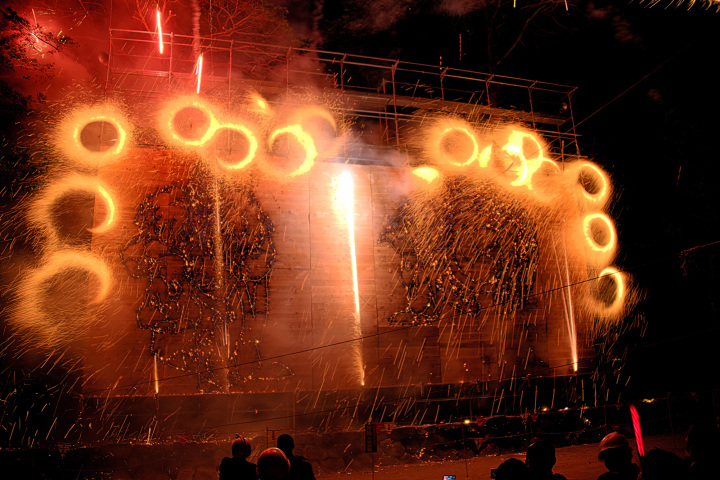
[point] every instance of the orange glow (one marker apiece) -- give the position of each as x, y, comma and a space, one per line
70, 131
155, 372
528, 166
198, 72
346, 192
600, 179
301, 115
159, 29
35, 290
63, 260
619, 287
428, 174
110, 204
593, 219
305, 141
40, 213
475, 150
252, 147
484, 158
167, 116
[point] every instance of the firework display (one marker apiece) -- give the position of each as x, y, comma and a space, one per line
484, 233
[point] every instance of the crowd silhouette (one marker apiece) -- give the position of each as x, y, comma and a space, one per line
615, 451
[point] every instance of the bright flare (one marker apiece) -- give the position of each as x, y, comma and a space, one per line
346, 191
159, 29
528, 166
428, 174
198, 72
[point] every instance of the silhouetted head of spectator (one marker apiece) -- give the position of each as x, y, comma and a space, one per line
241, 447
272, 464
661, 465
615, 451
540, 456
286, 443
702, 442
512, 469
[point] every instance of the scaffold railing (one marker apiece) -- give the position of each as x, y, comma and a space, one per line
394, 94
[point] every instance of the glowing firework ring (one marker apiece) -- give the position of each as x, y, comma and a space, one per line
476, 148
601, 196
72, 260
168, 114
252, 146
587, 229
40, 213
305, 141
528, 167
619, 288
71, 129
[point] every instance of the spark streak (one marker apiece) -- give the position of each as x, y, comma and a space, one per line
159, 29
346, 190
198, 72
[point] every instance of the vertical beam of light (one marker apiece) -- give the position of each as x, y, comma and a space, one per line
638, 432
198, 72
346, 190
159, 29
568, 305
157, 382
570, 316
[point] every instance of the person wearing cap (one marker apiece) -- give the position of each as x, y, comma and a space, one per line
616, 452
300, 468
237, 467
272, 464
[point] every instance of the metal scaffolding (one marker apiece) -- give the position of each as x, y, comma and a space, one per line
391, 95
